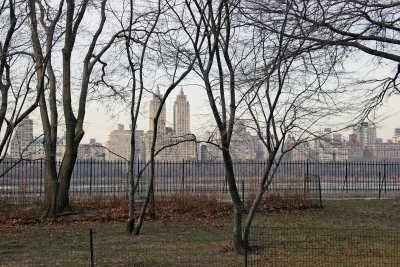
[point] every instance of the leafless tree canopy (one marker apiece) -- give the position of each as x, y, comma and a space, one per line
362, 28
17, 72
278, 66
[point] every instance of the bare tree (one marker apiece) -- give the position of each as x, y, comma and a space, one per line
152, 45
294, 89
136, 65
176, 63
356, 27
18, 99
215, 66
45, 22
257, 67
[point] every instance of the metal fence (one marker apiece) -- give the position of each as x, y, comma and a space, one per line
110, 179
323, 247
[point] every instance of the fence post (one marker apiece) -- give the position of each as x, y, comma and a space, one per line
346, 178
137, 175
91, 247
245, 255
183, 177
243, 205
379, 186
90, 176
384, 174
306, 181
320, 191
41, 177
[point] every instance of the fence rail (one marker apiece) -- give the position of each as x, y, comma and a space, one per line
108, 179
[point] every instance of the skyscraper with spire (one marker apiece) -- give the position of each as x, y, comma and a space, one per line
153, 108
181, 114
175, 143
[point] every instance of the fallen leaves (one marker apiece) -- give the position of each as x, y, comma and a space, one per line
290, 203
177, 208
228, 247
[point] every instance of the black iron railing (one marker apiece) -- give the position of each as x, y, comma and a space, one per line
106, 178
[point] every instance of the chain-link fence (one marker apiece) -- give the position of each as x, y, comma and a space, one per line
323, 247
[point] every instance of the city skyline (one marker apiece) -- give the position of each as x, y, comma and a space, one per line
99, 123
173, 143
364, 142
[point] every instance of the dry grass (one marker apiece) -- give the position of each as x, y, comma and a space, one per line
206, 242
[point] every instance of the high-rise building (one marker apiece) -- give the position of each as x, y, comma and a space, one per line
22, 139
153, 108
330, 146
181, 115
396, 137
365, 134
93, 150
175, 143
119, 144
243, 146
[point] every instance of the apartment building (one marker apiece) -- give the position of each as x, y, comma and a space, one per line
22, 139
173, 143
119, 144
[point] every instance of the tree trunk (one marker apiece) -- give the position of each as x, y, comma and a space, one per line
50, 187
250, 216
140, 220
264, 183
238, 244
131, 219
66, 169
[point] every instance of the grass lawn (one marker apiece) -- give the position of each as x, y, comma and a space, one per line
305, 237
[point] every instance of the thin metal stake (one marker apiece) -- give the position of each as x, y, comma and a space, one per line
243, 205
91, 248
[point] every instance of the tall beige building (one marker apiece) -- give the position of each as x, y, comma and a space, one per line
174, 144
22, 139
119, 144
153, 108
181, 115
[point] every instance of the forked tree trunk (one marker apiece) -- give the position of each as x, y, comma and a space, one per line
50, 188
64, 178
238, 244
262, 188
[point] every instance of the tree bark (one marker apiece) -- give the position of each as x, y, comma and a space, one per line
57, 185
238, 244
